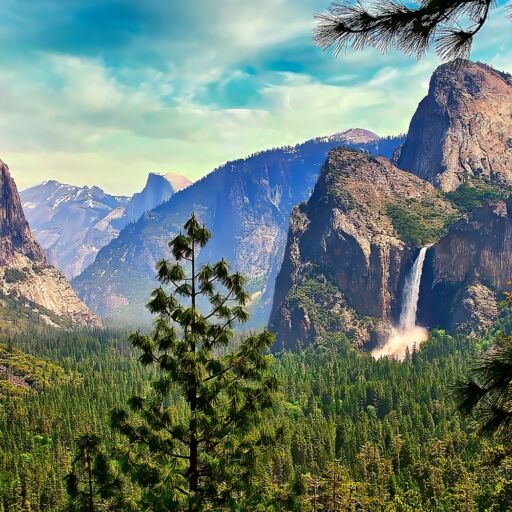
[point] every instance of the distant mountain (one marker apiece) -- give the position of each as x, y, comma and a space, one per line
352, 136
462, 129
159, 188
31, 291
246, 203
72, 223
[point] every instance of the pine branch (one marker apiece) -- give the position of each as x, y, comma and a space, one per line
389, 23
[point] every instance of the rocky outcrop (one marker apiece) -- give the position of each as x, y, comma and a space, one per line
26, 279
467, 271
346, 258
15, 236
462, 128
158, 189
245, 203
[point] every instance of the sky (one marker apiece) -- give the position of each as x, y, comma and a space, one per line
101, 92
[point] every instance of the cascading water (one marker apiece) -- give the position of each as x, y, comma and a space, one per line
407, 334
412, 293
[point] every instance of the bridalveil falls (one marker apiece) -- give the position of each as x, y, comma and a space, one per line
411, 293
407, 334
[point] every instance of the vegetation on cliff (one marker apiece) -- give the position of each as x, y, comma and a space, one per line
418, 223
476, 193
21, 373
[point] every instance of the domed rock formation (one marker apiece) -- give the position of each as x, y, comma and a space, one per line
462, 128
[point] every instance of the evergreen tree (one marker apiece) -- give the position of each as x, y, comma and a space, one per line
195, 440
450, 25
487, 393
91, 483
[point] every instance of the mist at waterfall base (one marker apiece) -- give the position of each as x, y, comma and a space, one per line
407, 334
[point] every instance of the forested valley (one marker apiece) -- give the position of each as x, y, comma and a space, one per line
358, 433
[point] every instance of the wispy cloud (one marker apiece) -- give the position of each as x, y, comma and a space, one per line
104, 91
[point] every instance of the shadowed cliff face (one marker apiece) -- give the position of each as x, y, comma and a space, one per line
345, 263
15, 235
467, 271
37, 290
462, 128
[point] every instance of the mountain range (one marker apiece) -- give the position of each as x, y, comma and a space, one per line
327, 232
245, 203
73, 223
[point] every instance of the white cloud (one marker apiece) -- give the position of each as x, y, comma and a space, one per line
106, 121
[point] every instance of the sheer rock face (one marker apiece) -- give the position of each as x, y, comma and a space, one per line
15, 236
467, 271
25, 275
343, 242
159, 188
462, 128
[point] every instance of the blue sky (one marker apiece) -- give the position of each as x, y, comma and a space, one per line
104, 91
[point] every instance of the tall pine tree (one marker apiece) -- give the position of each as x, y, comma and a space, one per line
195, 440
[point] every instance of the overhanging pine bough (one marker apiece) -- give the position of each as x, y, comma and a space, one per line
449, 26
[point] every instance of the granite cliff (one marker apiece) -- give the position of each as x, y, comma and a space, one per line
28, 284
467, 271
350, 247
158, 189
463, 127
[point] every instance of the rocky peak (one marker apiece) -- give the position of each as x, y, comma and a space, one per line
15, 235
158, 189
462, 128
352, 136
177, 181
346, 258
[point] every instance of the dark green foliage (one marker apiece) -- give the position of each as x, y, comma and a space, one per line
386, 428
195, 440
417, 223
448, 25
37, 431
486, 394
474, 194
92, 484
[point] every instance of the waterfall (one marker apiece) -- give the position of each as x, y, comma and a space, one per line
411, 293
407, 334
